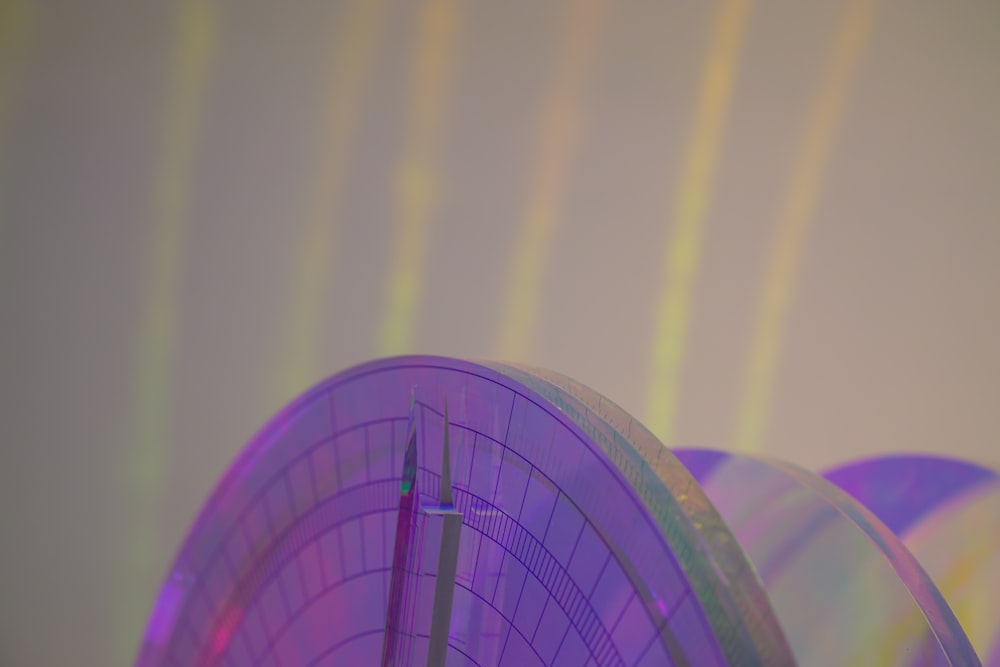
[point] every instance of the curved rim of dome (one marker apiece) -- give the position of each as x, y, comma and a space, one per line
711, 584
689, 517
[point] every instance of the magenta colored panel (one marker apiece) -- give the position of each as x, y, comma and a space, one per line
550, 631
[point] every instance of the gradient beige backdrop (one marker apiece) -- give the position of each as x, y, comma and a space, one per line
770, 226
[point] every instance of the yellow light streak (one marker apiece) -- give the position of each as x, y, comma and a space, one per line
558, 134
416, 186
17, 25
786, 251
145, 458
690, 205
355, 43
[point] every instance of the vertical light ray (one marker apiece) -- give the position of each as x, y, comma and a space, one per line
17, 23
416, 186
145, 457
786, 250
690, 205
354, 42
558, 134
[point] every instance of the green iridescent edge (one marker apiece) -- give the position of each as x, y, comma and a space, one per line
721, 576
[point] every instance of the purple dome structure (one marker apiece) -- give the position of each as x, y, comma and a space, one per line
433, 511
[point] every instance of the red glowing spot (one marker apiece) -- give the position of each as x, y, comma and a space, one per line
223, 634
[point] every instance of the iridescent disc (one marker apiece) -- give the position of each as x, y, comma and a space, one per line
845, 589
947, 512
959, 546
901, 489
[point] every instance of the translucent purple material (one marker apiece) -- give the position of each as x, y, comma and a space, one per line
959, 546
580, 543
697, 535
947, 512
845, 589
903, 488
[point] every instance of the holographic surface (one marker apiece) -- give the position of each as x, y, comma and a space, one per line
947, 512
959, 547
297, 558
845, 589
901, 489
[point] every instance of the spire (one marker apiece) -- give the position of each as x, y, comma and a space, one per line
410, 454
446, 498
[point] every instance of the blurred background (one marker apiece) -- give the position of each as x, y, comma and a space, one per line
767, 227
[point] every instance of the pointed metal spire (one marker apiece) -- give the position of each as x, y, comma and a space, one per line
409, 481
407, 539
447, 566
446, 498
